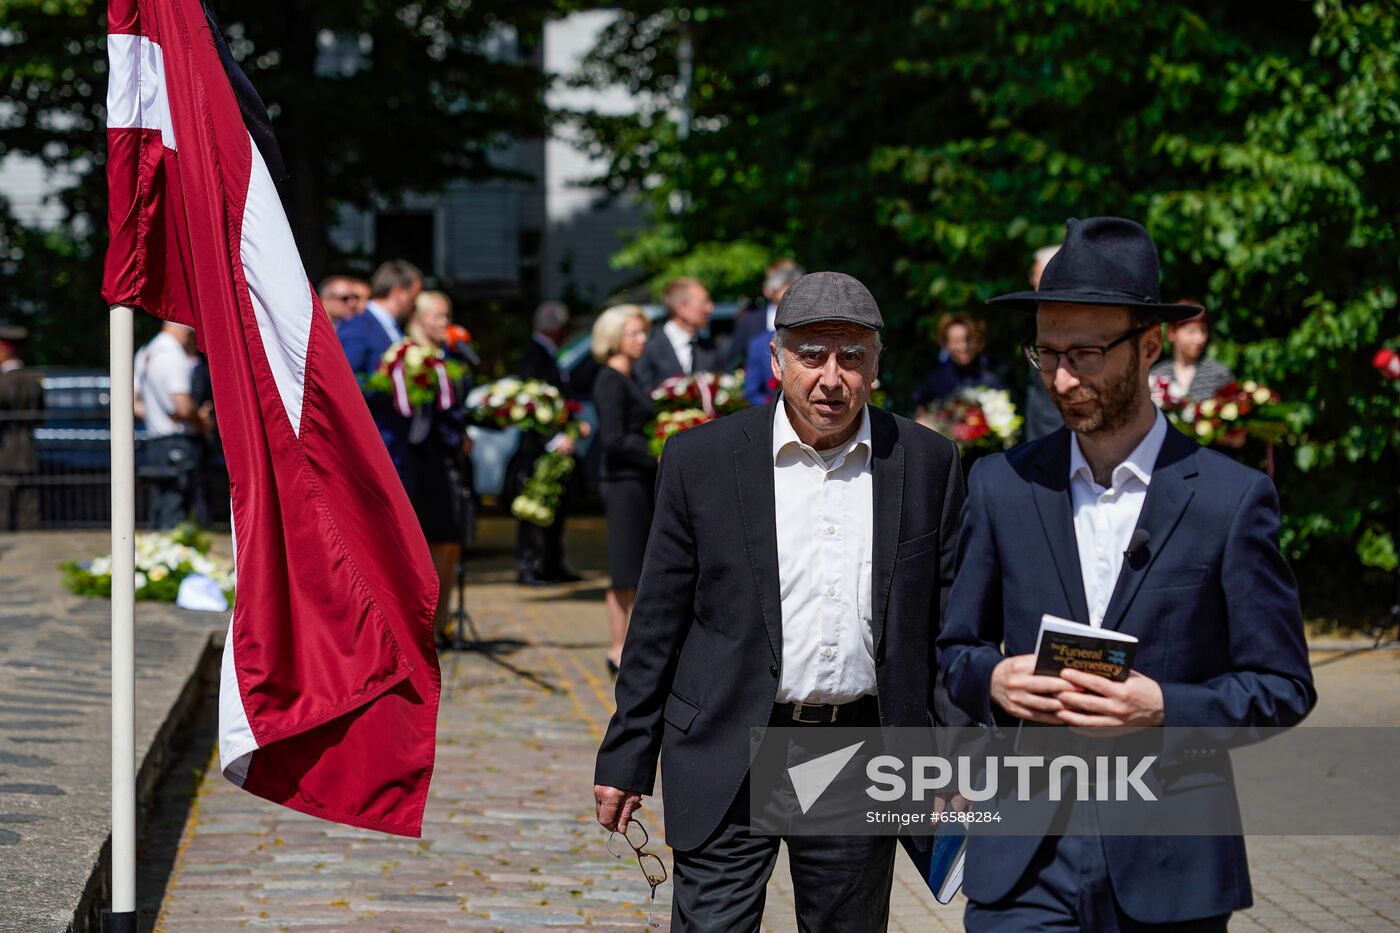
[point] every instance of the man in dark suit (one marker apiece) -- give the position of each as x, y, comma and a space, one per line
795, 574
677, 347
539, 552
1042, 417
21, 411
759, 318
1120, 521
366, 337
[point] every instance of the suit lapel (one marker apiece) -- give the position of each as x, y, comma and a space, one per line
1162, 508
753, 474
666, 355
887, 494
1052, 502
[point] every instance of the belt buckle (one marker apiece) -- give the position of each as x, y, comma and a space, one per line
797, 709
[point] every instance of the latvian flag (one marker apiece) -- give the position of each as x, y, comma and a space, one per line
329, 693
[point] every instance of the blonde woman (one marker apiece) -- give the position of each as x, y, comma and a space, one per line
628, 467
434, 468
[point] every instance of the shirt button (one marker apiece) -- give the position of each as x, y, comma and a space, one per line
831, 529
828, 652
831, 591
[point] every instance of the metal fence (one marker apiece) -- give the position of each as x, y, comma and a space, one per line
55, 461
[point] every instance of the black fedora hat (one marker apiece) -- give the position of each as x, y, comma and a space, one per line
1104, 261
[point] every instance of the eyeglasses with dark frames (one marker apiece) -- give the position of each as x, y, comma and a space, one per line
652, 867
1085, 360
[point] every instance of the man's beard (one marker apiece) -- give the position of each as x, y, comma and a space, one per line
1113, 405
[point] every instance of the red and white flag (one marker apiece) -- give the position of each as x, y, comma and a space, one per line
329, 693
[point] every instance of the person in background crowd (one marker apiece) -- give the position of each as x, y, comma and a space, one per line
539, 552
434, 474
961, 338
211, 450
676, 348
628, 466
1042, 417
758, 319
343, 297
759, 385
21, 410
1190, 372
365, 338
164, 400
1139, 530
393, 290
796, 571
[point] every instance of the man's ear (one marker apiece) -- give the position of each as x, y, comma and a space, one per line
1152, 344
775, 362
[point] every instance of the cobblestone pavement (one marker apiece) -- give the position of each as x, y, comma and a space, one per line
509, 840
55, 719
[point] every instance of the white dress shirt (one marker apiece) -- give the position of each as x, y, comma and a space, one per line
825, 522
161, 372
386, 320
1104, 519
681, 341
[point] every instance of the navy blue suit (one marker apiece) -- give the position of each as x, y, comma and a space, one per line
1213, 604
365, 342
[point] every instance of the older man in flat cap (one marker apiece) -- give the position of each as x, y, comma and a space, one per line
798, 564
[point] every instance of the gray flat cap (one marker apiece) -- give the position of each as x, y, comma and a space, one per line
828, 296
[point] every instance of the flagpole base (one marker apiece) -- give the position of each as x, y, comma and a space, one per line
124, 922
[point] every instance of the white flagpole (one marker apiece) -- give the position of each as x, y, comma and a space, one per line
122, 914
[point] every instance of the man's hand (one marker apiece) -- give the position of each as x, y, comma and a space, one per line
615, 806
562, 444
1017, 689
1097, 702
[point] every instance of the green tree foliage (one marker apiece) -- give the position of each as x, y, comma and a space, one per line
930, 147
369, 100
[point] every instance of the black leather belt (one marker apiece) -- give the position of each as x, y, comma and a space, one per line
812, 714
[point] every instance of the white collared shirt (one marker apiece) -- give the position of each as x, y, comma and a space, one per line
1104, 519
386, 321
681, 342
161, 372
825, 523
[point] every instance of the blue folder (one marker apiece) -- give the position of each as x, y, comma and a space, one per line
942, 865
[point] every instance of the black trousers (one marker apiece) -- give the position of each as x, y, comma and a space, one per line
841, 884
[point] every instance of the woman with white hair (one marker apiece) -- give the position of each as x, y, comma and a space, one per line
628, 466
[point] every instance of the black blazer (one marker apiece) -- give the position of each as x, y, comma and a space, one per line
536, 362
1213, 605
624, 411
659, 361
703, 656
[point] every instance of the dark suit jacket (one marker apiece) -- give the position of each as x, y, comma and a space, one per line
1213, 604
659, 361
703, 656
538, 362
752, 322
365, 341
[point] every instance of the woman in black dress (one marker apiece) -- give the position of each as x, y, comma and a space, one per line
435, 461
628, 467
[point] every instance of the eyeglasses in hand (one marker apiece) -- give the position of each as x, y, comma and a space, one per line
651, 865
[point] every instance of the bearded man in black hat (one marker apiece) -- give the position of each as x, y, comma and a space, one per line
1121, 522
797, 565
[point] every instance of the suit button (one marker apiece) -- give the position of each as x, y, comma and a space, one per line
773, 669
